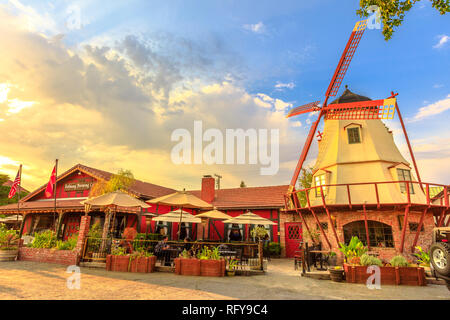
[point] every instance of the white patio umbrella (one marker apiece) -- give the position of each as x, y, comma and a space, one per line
250, 218
179, 216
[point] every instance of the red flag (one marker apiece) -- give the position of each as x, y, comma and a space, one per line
51, 183
15, 185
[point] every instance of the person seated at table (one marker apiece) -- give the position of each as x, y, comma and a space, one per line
235, 235
161, 249
187, 244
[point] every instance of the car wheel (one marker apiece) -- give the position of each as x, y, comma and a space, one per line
440, 258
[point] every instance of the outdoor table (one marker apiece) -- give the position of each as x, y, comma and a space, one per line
168, 255
227, 253
320, 253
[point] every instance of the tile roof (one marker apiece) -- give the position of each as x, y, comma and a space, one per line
249, 197
40, 205
139, 188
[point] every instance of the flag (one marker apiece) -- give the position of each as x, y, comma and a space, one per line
15, 185
50, 184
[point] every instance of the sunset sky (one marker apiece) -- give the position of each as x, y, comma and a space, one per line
106, 83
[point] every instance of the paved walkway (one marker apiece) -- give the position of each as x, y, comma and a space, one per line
29, 280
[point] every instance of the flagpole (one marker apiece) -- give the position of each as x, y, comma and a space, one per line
18, 194
56, 183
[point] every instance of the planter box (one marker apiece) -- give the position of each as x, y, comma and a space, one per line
197, 267
413, 276
212, 268
8, 255
187, 267
139, 265
123, 264
64, 257
117, 263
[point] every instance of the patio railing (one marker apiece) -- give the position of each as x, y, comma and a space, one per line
247, 254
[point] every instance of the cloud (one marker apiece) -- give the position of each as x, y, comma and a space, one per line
115, 106
443, 39
432, 109
281, 86
256, 28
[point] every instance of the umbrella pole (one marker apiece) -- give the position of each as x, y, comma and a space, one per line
179, 225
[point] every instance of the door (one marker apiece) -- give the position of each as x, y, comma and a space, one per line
293, 237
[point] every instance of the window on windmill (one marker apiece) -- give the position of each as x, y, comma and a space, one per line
413, 226
405, 175
320, 181
380, 234
353, 135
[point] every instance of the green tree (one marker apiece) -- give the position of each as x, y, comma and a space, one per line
4, 191
121, 181
305, 182
393, 11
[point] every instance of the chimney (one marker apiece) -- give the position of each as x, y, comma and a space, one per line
208, 184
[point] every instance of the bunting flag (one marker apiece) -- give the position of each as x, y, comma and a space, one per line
15, 185
51, 183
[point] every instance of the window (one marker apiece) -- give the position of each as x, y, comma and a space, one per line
405, 175
353, 135
380, 234
320, 181
324, 226
413, 226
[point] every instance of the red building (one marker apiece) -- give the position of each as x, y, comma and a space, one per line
74, 185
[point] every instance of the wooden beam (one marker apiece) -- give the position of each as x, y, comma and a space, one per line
367, 226
320, 227
405, 225
416, 238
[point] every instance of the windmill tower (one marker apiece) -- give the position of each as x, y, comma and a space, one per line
362, 185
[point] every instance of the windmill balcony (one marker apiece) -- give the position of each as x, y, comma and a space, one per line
377, 195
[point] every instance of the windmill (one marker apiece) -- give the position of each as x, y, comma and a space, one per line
360, 110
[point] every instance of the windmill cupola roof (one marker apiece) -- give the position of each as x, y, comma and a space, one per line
348, 96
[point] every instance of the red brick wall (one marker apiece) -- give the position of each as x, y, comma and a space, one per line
64, 257
388, 217
82, 234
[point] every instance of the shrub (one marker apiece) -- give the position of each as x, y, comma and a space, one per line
354, 249
423, 257
70, 244
8, 238
274, 248
44, 239
398, 261
95, 231
367, 260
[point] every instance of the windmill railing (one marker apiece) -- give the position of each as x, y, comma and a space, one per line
412, 193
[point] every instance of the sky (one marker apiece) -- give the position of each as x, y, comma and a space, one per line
105, 84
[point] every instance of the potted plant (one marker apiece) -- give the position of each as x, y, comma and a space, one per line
141, 261
313, 235
187, 265
336, 273
118, 260
9, 241
232, 265
331, 258
352, 252
423, 259
211, 264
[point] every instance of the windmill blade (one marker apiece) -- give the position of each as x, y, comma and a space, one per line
346, 58
361, 110
310, 107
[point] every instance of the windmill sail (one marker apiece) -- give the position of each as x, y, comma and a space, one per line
346, 58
